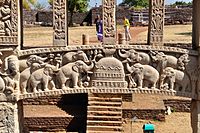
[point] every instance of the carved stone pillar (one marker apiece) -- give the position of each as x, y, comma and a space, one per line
196, 25
156, 22
60, 23
9, 20
109, 21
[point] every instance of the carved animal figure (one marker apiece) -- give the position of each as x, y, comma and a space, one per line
25, 75
72, 71
23, 64
163, 60
133, 56
174, 76
143, 72
43, 76
74, 56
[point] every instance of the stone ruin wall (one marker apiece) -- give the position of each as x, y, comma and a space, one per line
88, 17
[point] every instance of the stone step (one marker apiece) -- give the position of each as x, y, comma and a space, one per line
104, 123
91, 103
104, 128
104, 99
104, 108
104, 113
104, 118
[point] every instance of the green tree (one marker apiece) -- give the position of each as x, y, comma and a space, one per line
32, 4
76, 6
50, 3
137, 3
28, 4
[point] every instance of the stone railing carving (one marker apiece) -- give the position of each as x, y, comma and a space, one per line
8, 21
115, 67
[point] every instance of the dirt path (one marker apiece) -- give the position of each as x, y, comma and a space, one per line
135, 31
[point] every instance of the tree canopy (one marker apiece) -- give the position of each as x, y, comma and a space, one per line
32, 4
137, 3
182, 3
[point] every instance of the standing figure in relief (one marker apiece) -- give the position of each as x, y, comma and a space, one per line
5, 24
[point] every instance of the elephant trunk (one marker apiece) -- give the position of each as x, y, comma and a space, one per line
125, 55
90, 67
129, 68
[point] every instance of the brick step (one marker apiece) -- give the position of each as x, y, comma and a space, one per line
104, 113
100, 108
104, 118
104, 128
104, 99
91, 103
104, 123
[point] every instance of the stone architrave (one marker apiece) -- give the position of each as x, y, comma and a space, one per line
9, 18
60, 22
109, 21
156, 22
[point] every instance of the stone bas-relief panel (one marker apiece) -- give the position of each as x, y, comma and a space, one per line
59, 22
109, 68
8, 21
7, 118
9, 76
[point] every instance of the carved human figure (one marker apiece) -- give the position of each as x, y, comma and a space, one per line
5, 16
170, 76
74, 56
133, 56
11, 69
143, 72
71, 72
43, 76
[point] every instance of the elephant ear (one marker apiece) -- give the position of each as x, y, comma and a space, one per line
75, 68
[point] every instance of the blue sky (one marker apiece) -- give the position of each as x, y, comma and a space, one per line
92, 2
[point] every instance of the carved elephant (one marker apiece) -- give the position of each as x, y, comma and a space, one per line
25, 63
143, 72
25, 75
74, 56
43, 76
135, 57
163, 60
71, 72
174, 76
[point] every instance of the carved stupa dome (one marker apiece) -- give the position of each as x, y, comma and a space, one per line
109, 72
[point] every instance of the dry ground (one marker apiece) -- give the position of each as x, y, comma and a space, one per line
175, 123
43, 36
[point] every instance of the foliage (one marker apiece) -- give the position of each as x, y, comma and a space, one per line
137, 3
28, 4
181, 3
32, 4
76, 6
50, 3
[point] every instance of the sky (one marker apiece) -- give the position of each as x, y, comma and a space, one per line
93, 2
